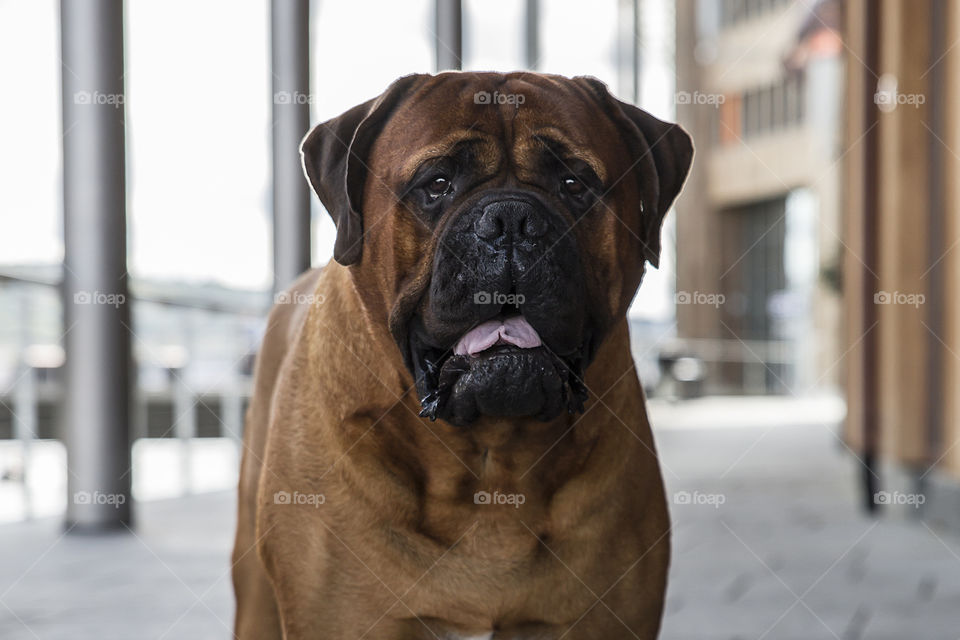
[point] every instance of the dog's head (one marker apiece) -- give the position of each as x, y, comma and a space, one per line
497, 225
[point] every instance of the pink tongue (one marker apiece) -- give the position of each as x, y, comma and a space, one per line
514, 330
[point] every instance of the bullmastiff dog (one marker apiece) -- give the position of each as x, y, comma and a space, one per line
447, 437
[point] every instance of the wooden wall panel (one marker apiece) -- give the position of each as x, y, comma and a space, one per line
950, 153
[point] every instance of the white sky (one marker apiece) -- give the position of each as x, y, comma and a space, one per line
198, 114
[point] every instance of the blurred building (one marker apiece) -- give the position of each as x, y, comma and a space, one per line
759, 88
902, 266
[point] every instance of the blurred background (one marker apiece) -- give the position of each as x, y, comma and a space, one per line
797, 344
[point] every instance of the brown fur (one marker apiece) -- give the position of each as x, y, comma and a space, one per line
399, 549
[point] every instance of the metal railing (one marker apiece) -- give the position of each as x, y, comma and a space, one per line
193, 362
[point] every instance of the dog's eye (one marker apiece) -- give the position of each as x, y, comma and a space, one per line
438, 187
573, 186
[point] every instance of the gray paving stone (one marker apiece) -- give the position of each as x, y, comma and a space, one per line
170, 580
790, 498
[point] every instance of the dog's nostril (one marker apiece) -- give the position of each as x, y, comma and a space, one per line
489, 226
534, 226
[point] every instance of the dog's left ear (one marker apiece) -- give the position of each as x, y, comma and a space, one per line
334, 156
661, 154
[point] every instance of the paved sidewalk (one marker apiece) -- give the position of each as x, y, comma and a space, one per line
170, 580
786, 555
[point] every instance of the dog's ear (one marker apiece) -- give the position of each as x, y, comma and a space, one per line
334, 156
661, 154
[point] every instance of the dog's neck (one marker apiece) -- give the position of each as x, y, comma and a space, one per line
435, 468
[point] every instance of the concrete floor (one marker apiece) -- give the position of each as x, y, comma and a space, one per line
170, 578
769, 545
788, 556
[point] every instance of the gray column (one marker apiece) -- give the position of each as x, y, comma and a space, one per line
96, 309
449, 35
290, 59
532, 44
636, 63
628, 49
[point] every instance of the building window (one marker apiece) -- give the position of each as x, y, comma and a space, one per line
770, 108
749, 114
793, 96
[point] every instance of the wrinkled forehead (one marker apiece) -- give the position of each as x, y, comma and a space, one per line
512, 116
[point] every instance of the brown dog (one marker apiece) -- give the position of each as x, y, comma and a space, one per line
447, 437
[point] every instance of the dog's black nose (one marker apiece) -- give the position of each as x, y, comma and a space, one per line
517, 219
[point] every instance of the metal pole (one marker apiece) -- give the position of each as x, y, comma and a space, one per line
96, 309
231, 400
871, 260
185, 405
533, 34
26, 403
449, 35
290, 56
636, 64
26, 407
